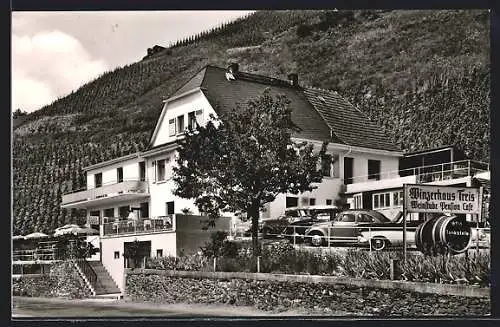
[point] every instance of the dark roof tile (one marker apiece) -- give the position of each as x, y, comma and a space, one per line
320, 114
347, 122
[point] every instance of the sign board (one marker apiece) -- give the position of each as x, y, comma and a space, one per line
442, 199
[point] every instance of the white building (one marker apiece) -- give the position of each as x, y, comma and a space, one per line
142, 183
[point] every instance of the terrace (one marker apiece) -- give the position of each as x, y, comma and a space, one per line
134, 227
128, 190
444, 173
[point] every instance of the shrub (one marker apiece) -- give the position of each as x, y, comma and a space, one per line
219, 246
188, 263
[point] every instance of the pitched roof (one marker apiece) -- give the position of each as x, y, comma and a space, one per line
320, 114
348, 123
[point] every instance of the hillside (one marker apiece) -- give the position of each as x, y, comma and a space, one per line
422, 75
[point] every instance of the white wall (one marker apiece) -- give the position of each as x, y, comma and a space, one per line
161, 192
116, 267
181, 106
109, 173
360, 164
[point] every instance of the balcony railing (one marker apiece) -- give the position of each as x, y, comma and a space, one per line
432, 173
142, 226
107, 190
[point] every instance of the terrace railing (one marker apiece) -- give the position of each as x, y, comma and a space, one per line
431, 173
142, 226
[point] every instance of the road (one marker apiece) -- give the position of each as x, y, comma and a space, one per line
24, 307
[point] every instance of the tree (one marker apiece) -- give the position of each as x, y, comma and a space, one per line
244, 159
18, 113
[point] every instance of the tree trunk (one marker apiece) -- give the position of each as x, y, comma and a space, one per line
253, 213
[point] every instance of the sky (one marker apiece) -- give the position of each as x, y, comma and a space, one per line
54, 53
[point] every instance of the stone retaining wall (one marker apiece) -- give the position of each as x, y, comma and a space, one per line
63, 281
307, 294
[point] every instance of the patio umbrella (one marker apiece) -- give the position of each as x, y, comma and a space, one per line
69, 230
68, 226
35, 235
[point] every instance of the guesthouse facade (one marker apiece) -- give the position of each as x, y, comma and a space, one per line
130, 198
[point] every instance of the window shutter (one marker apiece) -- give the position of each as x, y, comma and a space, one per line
171, 127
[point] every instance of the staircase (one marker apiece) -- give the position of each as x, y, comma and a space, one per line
98, 279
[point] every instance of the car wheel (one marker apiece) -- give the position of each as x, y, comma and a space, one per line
379, 243
317, 239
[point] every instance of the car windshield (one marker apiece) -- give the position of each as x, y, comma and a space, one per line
380, 217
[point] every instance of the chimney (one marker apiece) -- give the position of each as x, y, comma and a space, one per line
293, 79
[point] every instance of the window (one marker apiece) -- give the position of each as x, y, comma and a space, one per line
160, 169
195, 118
142, 171
117, 254
109, 212
292, 201
119, 174
123, 211
159, 253
364, 218
329, 202
98, 180
397, 198
381, 200
326, 166
348, 170
171, 127
346, 218
144, 210
170, 207
358, 201
312, 201
374, 169
180, 124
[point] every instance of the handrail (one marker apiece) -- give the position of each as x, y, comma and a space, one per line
87, 270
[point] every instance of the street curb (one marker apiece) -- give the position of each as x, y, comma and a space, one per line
429, 288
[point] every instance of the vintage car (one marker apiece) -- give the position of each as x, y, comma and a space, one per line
359, 226
295, 220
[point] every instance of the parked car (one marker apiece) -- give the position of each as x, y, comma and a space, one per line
346, 228
295, 231
297, 216
381, 237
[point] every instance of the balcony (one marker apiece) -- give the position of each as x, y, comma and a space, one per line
142, 226
127, 190
446, 173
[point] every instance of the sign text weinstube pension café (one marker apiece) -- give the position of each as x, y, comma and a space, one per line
432, 198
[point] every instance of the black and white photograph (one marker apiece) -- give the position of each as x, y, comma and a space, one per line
254, 164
